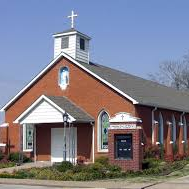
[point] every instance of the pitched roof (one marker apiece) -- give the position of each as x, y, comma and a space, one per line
135, 89
71, 108
144, 91
62, 104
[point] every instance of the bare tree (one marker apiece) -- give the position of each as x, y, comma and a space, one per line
173, 73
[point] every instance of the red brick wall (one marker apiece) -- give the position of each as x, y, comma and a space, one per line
84, 90
88, 93
136, 162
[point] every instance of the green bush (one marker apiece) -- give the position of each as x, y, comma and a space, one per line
6, 165
150, 163
64, 166
1, 155
102, 160
114, 168
78, 168
14, 157
94, 167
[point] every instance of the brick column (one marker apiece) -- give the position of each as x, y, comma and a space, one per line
169, 146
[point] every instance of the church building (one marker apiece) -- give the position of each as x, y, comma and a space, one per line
76, 109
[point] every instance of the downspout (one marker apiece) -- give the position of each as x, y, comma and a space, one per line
182, 124
153, 124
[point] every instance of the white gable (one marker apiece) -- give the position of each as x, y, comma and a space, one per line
122, 117
43, 113
42, 110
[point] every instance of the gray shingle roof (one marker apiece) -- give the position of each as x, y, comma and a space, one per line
71, 108
144, 91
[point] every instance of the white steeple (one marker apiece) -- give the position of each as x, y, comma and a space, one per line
72, 42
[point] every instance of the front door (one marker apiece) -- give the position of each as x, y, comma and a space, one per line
58, 144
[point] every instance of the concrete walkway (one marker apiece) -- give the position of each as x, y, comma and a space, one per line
25, 166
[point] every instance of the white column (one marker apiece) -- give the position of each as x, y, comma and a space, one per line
34, 144
93, 141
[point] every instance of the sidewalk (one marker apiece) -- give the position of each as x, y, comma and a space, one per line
25, 166
77, 184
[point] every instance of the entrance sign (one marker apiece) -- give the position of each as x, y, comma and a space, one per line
123, 126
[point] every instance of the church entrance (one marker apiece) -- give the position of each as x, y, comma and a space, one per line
61, 149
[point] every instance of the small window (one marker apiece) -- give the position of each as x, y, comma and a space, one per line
63, 77
82, 44
123, 146
65, 43
28, 132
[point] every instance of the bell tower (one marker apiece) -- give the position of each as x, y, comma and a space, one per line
72, 42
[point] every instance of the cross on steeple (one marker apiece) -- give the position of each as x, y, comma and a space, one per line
72, 18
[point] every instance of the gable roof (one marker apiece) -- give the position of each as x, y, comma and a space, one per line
135, 89
79, 114
145, 92
48, 67
62, 104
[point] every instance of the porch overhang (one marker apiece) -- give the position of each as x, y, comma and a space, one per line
50, 109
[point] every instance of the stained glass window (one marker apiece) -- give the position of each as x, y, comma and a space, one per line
104, 124
64, 77
160, 132
28, 137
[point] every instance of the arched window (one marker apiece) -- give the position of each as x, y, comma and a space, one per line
184, 130
103, 124
63, 77
173, 130
160, 130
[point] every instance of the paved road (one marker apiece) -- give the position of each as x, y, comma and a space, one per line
180, 183
5, 186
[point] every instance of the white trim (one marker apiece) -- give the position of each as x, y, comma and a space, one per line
62, 54
24, 139
93, 145
123, 117
71, 33
43, 97
99, 133
4, 125
2, 144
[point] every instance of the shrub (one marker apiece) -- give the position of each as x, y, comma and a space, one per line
150, 163
151, 151
114, 168
15, 157
1, 155
98, 167
78, 168
102, 160
64, 166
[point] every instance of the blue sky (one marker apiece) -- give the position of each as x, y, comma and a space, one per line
129, 35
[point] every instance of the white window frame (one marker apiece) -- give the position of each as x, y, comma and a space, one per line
24, 138
174, 130
99, 142
63, 87
161, 125
185, 134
